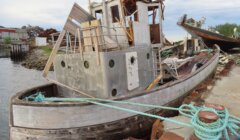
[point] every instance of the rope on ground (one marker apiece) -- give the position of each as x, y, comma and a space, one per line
226, 124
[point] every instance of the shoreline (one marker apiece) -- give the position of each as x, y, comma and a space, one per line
37, 58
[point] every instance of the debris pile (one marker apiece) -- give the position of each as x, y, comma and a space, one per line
226, 68
33, 31
47, 33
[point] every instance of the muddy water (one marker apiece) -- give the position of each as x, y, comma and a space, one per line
13, 78
227, 92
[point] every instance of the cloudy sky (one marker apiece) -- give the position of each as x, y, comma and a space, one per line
53, 13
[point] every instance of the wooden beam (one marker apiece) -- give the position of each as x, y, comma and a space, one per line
53, 53
87, 37
125, 30
155, 81
96, 38
71, 27
79, 14
80, 48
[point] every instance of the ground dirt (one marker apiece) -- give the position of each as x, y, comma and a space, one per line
36, 59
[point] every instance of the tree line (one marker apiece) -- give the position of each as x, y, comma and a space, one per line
227, 29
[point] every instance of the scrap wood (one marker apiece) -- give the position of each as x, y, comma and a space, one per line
157, 130
53, 53
155, 81
227, 68
125, 30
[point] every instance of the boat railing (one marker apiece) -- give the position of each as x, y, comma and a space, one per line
98, 38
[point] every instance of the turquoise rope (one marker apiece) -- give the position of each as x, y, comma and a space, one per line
207, 131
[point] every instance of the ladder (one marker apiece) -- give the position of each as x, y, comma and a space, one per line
156, 60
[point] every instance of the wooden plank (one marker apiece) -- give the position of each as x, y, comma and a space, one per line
79, 14
96, 38
80, 48
87, 40
125, 30
71, 27
53, 53
155, 81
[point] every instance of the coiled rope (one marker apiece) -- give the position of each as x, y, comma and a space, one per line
226, 124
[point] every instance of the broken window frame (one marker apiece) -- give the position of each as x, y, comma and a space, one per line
99, 14
115, 13
153, 15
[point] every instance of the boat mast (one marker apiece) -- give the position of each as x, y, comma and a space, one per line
161, 35
160, 23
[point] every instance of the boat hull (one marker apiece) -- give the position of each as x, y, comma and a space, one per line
74, 121
211, 38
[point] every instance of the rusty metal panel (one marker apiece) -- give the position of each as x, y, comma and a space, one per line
154, 33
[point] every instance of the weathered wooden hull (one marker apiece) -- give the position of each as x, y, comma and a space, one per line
74, 120
211, 38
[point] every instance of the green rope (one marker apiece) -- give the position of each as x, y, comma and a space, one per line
208, 131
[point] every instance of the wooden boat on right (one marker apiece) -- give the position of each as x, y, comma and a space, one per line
210, 38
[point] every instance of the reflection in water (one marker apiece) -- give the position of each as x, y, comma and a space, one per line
4, 52
14, 78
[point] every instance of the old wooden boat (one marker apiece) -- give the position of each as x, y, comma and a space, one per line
103, 64
209, 37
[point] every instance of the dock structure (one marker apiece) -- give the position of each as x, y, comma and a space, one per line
18, 51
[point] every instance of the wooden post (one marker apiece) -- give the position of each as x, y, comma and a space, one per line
123, 12
96, 39
80, 48
125, 30
87, 38
52, 39
161, 36
155, 81
53, 53
160, 24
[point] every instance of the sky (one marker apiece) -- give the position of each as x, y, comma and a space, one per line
53, 13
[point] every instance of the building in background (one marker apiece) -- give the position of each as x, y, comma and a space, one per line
15, 35
40, 41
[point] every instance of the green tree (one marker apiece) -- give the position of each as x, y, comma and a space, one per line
7, 40
227, 28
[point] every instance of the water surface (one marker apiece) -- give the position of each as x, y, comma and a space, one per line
13, 78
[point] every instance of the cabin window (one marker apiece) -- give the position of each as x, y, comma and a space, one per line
115, 14
63, 64
153, 15
114, 92
153, 21
99, 14
111, 63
